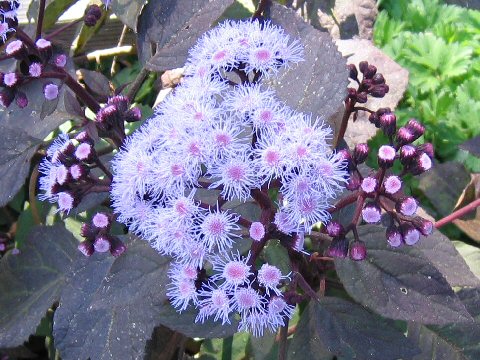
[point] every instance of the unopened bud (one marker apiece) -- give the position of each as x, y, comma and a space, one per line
392, 184
338, 248
60, 60
86, 248
352, 72
35, 70
11, 79
21, 99
335, 229
394, 236
133, 115
363, 66
415, 127
92, 14
386, 156
407, 206
378, 79
85, 152
354, 182
358, 251
360, 153
388, 123
117, 247
16, 49
427, 148
371, 213
409, 233
101, 221
369, 184
102, 243
405, 136
408, 153
370, 71
374, 118
361, 97
422, 163
379, 91
423, 225
50, 91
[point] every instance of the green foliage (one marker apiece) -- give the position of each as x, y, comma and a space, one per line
439, 45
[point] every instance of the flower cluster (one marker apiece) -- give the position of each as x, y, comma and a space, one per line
222, 132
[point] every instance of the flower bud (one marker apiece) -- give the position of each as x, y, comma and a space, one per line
379, 91
360, 153
92, 14
394, 236
409, 233
121, 102
50, 91
78, 171
338, 248
363, 66
86, 248
358, 251
35, 70
102, 243
257, 231
374, 118
11, 79
378, 79
83, 137
88, 232
134, 114
361, 97
101, 221
335, 229
44, 47
415, 127
427, 148
352, 72
369, 184
353, 182
386, 156
407, 206
60, 60
21, 99
16, 49
408, 153
388, 123
346, 158
370, 71
117, 247
392, 184
85, 152
422, 163
371, 213
405, 136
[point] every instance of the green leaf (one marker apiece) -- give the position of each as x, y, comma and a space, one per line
128, 11
263, 347
317, 85
399, 283
333, 326
471, 254
215, 349
276, 254
54, 10
31, 281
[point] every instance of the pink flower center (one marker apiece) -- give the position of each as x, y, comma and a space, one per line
223, 139
266, 116
263, 55
220, 55
272, 157
177, 170
216, 227
236, 172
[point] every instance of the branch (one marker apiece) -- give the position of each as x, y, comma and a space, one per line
458, 214
41, 13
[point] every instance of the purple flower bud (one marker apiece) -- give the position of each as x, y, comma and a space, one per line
3, 247
422, 163
21, 99
16, 49
43, 44
78, 171
102, 243
361, 97
379, 91
370, 71
394, 236
83, 136
134, 114
410, 234
86, 248
369, 184
378, 79
85, 152
423, 225
415, 127
346, 158
35, 70
363, 66
101, 221
386, 156
92, 14
50, 91
352, 93
257, 231
374, 118
117, 247
88, 232
388, 123
392, 184
408, 153
427, 148
405, 136
352, 72
66, 201
107, 114
60, 60
10, 79
338, 248
335, 229
121, 102
358, 251
371, 213
407, 206
360, 153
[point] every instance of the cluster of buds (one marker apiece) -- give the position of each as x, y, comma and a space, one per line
110, 119
372, 83
36, 60
98, 238
66, 171
93, 13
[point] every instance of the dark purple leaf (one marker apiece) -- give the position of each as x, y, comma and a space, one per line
31, 281
96, 81
173, 54
128, 11
399, 283
333, 326
72, 106
319, 84
472, 146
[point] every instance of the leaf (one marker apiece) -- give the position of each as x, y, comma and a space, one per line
276, 254
443, 184
471, 254
472, 146
175, 27
31, 281
470, 223
399, 283
263, 347
348, 331
96, 81
441, 252
54, 10
214, 348
456, 341
319, 84
128, 11
16, 150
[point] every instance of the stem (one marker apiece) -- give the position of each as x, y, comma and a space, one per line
347, 200
263, 6
31, 196
107, 172
99, 189
381, 176
20, 34
62, 29
458, 214
227, 347
358, 210
41, 13
349, 104
305, 286
262, 199
137, 83
282, 345
363, 108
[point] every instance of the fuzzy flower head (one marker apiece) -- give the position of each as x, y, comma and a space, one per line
194, 178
